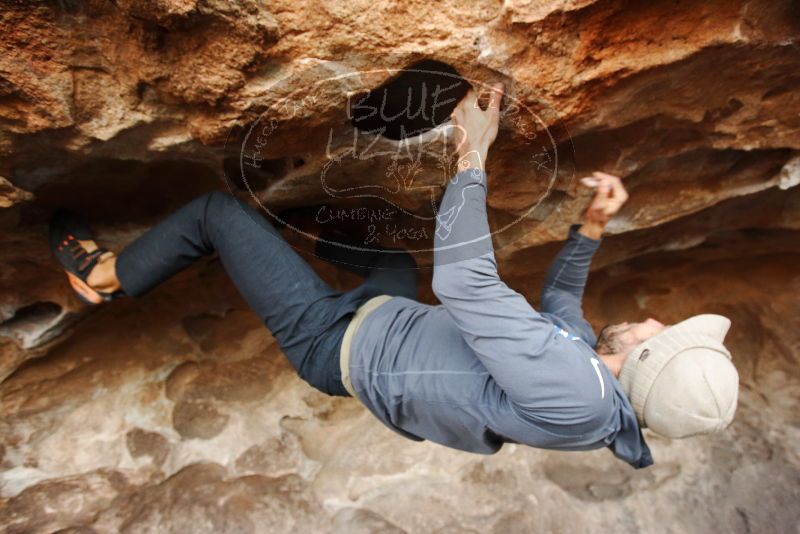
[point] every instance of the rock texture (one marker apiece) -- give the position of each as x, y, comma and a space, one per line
176, 412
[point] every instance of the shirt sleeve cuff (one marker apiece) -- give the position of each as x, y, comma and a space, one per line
574, 235
470, 175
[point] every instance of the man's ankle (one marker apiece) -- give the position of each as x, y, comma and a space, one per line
103, 276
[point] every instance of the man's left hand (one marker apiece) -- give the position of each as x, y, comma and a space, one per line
607, 201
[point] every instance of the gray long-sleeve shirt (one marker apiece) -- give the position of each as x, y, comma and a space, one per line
485, 368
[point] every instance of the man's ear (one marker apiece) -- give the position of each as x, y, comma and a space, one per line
601, 347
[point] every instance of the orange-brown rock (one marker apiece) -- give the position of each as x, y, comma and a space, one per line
177, 411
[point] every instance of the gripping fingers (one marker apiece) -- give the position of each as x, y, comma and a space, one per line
610, 193
611, 184
495, 98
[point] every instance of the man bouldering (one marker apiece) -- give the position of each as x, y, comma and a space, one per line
482, 368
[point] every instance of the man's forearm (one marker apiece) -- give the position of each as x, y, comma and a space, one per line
570, 268
462, 225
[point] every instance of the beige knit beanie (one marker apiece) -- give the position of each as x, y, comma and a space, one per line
681, 382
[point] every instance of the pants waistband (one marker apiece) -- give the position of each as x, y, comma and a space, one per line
349, 334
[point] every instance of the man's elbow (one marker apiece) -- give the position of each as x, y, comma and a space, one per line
457, 280
444, 283
548, 299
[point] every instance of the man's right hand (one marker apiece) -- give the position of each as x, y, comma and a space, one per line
607, 201
476, 129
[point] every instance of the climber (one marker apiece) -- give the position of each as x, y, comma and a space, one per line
482, 368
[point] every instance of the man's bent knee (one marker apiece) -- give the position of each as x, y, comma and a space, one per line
221, 200
220, 207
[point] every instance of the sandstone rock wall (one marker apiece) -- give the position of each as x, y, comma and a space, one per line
177, 412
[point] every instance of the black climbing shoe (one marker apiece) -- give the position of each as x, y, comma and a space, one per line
66, 232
